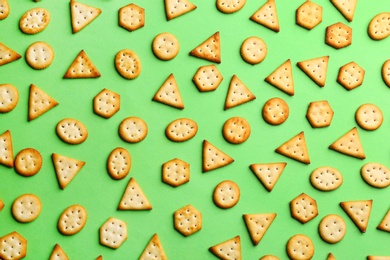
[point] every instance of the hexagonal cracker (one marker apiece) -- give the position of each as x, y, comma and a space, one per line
351, 76
131, 17
175, 172
338, 35
187, 220
303, 208
113, 233
309, 15
106, 103
319, 114
13, 246
207, 78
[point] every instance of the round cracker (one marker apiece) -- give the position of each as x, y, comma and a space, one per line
226, 194
34, 21
269, 257
26, 208
300, 247
119, 163
72, 220
9, 97
236, 130
253, 50
165, 46
369, 117
376, 175
39, 55
379, 27
386, 72
230, 6
326, 178
71, 131
181, 130
28, 162
128, 64
275, 111
332, 228
133, 129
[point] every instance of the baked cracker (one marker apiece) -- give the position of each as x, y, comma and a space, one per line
228, 250
295, 148
169, 94
39, 102
7, 55
66, 168
268, 174
82, 67
213, 158
6, 151
209, 50
359, 212
58, 253
346, 8
385, 223
154, 250
134, 198
282, 78
238, 93
13, 246
349, 144
4, 9
176, 8
316, 69
331, 257
258, 224
82, 15
267, 16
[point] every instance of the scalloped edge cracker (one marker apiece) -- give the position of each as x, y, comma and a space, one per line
39, 102
213, 158
359, 212
209, 50
66, 169
229, 249
349, 144
282, 78
173, 8
299, 152
134, 198
82, 67
258, 224
268, 173
238, 93
7, 55
154, 250
315, 69
6, 150
267, 16
169, 93
82, 15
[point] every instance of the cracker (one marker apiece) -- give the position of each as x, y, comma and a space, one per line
338, 35
213, 158
295, 148
300, 247
82, 15
6, 150
376, 175
4, 9
208, 78
13, 246
113, 233
253, 50
1, 204
331, 257
228, 250
71, 131
258, 224
39, 55
238, 93
351, 76
106, 103
66, 168
308, 15
131, 17
386, 72
275, 111
303, 208
175, 172
119, 163
181, 130
26, 208
72, 220
176, 8
385, 223
370, 257
346, 8
169, 93
226, 194
134, 198
230, 6
58, 253
349, 144
133, 129
268, 173
316, 69
319, 114
154, 250
28, 162
9, 97
34, 21
282, 78
7, 55
187, 220
326, 178
127, 64
369, 117
165, 46
359, 211
82, 67
39, 102
99, 257
269, 257
379, 27
267, 16
209, 50
332, 228
236, 130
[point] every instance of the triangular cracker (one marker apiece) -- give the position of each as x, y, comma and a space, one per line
330, 257
349, 144
267, 16
169, 93
209, 50
82, 67
282, 78
6, 151
258, 224
154, 250
359, 212
346, 8
213, 158
268, 174
238, 93
39, 102
58, 253
228, 250
134, 198
385, 223
66, 168
7, 55
296, 149
316, 69
82, 15
175, 8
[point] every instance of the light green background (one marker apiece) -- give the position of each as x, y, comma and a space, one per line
94, 189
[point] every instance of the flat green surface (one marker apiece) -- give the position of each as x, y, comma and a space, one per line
100, 195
